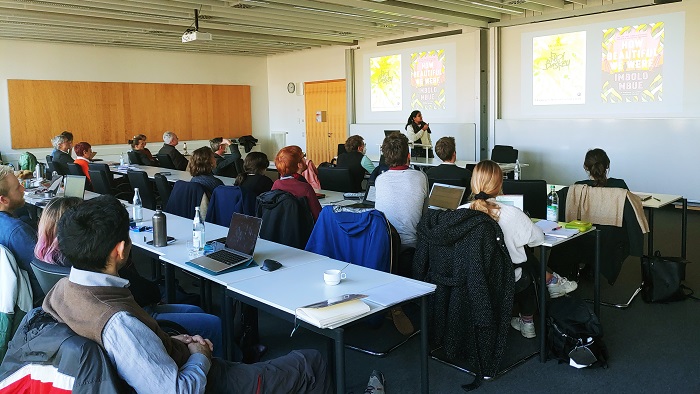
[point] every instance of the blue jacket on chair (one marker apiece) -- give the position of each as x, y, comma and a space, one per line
356, 236
184, 198
227, 200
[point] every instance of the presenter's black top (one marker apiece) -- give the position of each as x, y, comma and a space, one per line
178, 159
353, 161
612, 182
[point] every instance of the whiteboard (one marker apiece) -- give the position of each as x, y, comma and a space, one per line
651, 155
464, 133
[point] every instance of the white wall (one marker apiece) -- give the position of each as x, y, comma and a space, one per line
287, 109
50, 61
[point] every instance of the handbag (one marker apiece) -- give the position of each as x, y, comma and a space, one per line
661, 279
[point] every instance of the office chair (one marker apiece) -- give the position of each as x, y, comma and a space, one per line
336, 179
227, 200
287, 219
341, 149
184, 197
163, 187
139, 179
165, 161
504, 154
60, 168
534, 193
48, 274
74, 169
133, 157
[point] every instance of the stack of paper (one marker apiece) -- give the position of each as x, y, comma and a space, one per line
555, 230
334, 314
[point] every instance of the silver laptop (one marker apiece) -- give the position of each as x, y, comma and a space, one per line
238, 249
444, 196
368, 199
74, 186
516, 200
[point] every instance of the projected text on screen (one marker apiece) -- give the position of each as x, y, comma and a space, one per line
559, 69
385, 83
632, 63
428, 80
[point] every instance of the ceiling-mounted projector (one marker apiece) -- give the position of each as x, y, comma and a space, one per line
195, 36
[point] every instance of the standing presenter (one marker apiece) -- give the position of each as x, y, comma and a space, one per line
418, 132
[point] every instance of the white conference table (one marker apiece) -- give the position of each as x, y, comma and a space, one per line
174, 176
433, 162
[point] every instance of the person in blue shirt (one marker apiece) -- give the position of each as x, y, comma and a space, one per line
16, 235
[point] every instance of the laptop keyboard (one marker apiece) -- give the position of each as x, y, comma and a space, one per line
226, 257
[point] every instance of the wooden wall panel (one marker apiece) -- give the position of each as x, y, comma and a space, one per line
112, 112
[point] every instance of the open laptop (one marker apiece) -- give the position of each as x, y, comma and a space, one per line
516, 200
368, 199
74, 186
390, 132
444, 196
238, 249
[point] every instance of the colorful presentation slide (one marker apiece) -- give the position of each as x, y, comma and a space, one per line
385, 83
559, 69
428, 80
632, 63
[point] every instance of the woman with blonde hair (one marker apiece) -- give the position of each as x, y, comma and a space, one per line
518, 231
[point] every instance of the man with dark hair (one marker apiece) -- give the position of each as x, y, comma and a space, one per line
225, 164
97, 304
355, 160
17, 236
170, 141
448, 170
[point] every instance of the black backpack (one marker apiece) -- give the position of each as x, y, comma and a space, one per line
574, 334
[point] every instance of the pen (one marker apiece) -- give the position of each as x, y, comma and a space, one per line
656, 199
556, 228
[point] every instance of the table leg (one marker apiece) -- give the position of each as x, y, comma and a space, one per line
339, 360
543, 306
424, 382
650, 236
596, 277
684, 229
169, 283
226, 320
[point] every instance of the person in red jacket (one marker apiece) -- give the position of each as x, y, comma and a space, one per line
290, 164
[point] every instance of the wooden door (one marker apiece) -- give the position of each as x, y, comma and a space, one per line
326, 119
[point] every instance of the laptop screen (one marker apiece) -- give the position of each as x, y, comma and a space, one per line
74, 186
446, 196
390, 132
371, 194
516, 200
243, 233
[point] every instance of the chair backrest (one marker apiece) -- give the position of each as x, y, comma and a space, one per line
184, 197
341, 149
74, 169
60, 168
48, 274
336, 179
100, 182
534, 193
504, 154
165, 161
369, 247
49, 166
140, 179
286, 219
133, 157
239, 165
104, 168
163, 187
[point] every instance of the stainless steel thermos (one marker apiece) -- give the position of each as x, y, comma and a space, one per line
160, 228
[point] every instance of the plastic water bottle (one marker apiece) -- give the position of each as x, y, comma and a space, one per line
516, 170
552, 205
137, 206
121, 160
184, 147
198, 238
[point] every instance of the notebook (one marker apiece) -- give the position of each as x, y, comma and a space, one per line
443, 196
74, 186
238, 249
516, 200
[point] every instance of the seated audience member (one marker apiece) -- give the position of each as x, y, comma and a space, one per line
355, 159
145, 292
446, 151
253, 178
290, 164
201, 167
83, 156
16, 235
96, 303
69, 138
518, 231
61, 149
597, 164
138, 145
170, 141
225, 165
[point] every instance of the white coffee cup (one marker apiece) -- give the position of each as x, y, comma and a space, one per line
333, 277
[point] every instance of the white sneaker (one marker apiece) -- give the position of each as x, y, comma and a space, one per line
561, 287
526, 329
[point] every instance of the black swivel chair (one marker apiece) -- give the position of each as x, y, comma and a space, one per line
74, 169
165, 161
139, 179
341, 149
336, 179
49, 166
101, 184
60, 168
133, 157
534, 193
48, 274
163, 187
504, 154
